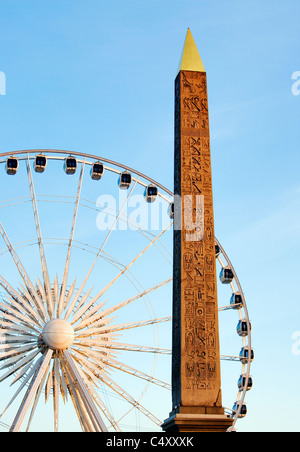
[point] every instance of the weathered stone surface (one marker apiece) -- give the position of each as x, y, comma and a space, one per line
196, 376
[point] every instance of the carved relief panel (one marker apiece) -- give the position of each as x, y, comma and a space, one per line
198, 323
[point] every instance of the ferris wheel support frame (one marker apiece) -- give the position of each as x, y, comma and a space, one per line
90, 421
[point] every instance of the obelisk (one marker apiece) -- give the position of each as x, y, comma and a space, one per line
196, 376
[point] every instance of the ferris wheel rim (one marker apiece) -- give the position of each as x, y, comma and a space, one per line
151, 241
243, 393
86, 155
171, 194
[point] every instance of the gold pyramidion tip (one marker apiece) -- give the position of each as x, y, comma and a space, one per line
190, 58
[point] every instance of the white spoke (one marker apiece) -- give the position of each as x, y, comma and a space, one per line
126, 326
56, 379
12, 327
41, 288
40, 241
100, 294
102, 358
12, 339
55, 291
25, 381
13, 345
10, 324
27, 301
17, 297
48, 387
82, 302
103, 407
22, 373
67, 265
85, 395
116, 388
23, 307
103, 323
101, 249
36, 399
16, 353
84, 421
89, 365
130, 370
35, 382
86, 413
18, 322
88, 375
17, 315
91, 317
64, 385
70, 294
43, 299
98, 355
230, 358
98, 371
18, 263
126, 347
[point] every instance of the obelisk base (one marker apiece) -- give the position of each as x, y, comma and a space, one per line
205, 423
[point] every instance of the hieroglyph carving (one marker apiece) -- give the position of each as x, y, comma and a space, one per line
198, 383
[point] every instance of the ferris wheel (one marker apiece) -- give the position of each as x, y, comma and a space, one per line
85, 296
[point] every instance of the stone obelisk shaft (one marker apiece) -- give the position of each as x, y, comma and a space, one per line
196, 376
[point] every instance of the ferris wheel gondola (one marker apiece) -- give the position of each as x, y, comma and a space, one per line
245, 382
236, 301
70, 165
171, 210
226, 275
97, 170
246, 355
151, 193
40, 163
125, 180
239, 409
242, 328
12, 165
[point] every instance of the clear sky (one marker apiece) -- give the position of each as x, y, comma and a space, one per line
98, 76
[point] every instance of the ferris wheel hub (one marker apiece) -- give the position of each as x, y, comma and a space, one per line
58, 334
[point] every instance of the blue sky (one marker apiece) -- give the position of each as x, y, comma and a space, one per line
98, 77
